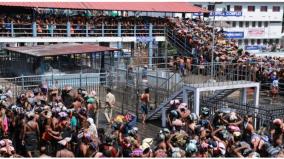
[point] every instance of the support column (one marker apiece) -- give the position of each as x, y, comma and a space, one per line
119, 45
103, 29
184, 96
244, 96
150, 56
12, 29
256, 96
196, 102
256, 101
34, 29
68, 29
135, 30
164, 118
166, 53
87, 29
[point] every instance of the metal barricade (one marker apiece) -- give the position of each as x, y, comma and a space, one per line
88, 81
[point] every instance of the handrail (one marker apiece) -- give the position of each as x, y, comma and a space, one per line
44, 29
177, 41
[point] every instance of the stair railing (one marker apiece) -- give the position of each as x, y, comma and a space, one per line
170, 34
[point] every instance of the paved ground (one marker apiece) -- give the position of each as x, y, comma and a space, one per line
146, 131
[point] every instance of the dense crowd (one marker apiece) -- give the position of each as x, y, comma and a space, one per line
51, 122
196, 35
56, 24
63, 123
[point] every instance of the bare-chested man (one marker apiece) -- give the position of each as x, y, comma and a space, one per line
30, 134
181, 66
64, 152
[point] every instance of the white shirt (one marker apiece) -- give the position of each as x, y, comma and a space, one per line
110, 98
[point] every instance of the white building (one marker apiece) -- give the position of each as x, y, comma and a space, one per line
253, 24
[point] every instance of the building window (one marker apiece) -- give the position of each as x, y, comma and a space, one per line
263, 8
240, 42
276, 8
238, 8
265, 24
241, 24
277, 41
258, 41
252, 41
264, 41
251, 8
247, 24
234, 24
211, 7
253, 24
246, 41
259, 24
228, 7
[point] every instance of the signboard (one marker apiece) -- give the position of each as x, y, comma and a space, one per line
144, 39
234, 35
252, 47
221, 13
256, 32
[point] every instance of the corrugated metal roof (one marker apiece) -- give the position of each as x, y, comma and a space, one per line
119, 6
60, 49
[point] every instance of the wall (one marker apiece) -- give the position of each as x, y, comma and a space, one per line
274, 19
249, 16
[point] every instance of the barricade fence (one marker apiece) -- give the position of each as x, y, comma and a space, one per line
87, 81
129, 85
262, 115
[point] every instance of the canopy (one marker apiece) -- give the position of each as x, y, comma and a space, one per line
60, 49
173, 7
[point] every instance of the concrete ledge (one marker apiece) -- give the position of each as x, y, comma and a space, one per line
73, 39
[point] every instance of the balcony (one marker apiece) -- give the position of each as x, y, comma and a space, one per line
13, 32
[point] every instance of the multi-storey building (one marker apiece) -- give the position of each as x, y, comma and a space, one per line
254, 25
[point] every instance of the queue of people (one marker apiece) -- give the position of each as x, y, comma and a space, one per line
228, 57
55, 24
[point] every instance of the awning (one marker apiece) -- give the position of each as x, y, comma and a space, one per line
60, 49
174, 7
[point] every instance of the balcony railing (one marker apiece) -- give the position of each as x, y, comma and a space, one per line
79, 30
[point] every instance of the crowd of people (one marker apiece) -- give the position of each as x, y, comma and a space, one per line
51, 122
63, 123
50, 23
196, 35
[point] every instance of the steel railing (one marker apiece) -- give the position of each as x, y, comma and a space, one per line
261, 114
78, 30
88, 81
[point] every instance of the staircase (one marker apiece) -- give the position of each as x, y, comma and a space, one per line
221, 94
175, 92
157, 112
179, 44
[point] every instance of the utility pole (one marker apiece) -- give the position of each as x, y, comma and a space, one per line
213, 42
